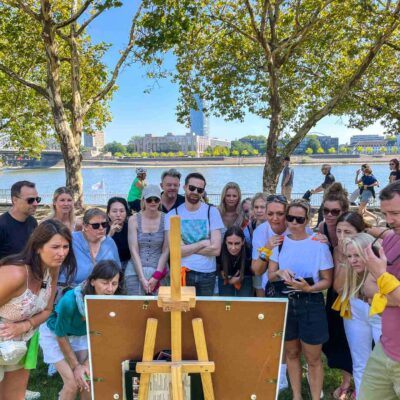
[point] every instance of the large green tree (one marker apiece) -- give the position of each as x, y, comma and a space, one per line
291, 62
52, 78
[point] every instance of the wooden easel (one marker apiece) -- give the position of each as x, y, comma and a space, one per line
175, 300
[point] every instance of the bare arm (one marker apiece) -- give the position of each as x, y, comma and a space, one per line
370, 288
134, 249
259, 266
194, 248
214, 248
339, 271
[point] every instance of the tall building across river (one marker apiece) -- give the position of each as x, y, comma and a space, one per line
199, 122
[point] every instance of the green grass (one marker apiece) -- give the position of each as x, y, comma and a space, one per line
50, 386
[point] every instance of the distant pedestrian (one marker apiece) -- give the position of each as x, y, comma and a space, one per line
135, 192
287, 179
395, 170
367, 191
329, 179
170, 182
17, 224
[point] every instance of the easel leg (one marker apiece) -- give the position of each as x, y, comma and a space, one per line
176, 381
148, 354
202, 355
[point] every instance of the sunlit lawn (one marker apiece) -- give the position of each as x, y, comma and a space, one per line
50, 386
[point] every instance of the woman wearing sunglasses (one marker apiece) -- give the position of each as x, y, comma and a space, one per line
305, 278
148, 246
91, 245
394, 166
335, 203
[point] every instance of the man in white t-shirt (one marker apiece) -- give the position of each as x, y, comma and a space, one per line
201, 226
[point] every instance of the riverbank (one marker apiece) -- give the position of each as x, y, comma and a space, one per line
205, 162
232, 161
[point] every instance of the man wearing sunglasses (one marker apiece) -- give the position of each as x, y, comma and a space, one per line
201, 226
18, 223
381, 379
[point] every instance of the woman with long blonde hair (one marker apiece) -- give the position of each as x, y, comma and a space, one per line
230, 205
361, 328
64, 210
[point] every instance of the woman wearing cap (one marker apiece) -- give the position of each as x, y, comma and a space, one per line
135, 192
148, 245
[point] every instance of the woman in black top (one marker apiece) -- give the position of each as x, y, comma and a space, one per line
234, 271
395, 170
118, 212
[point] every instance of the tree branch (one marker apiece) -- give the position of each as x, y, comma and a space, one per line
347, 86
75, 16
37, 88
393, 46
88, 21
24, 7
99, 96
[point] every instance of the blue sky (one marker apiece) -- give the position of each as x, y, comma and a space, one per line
136, 113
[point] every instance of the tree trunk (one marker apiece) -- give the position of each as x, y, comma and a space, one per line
73, 163
272, 169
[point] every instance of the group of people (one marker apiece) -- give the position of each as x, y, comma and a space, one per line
260, 246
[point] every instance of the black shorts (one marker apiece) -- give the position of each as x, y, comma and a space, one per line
306, 318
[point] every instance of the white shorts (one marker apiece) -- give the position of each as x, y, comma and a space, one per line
51, 350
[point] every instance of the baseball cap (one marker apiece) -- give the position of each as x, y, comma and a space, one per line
151, 191
141, 170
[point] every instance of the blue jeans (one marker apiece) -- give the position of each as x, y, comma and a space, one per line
246, 290
204, 282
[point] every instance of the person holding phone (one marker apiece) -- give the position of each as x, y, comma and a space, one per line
305, 278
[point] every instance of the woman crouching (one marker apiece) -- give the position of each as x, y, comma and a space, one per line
64, 337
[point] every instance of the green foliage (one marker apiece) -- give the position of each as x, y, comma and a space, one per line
369, 150
359, 149
143, 154
240, 146
309, 151
114, 147
320, 150
332, 150
383, 149
191, 153
118, 154
255, 152
245, 152
395, 149
314, 143
344, 149
235, 153
180, 154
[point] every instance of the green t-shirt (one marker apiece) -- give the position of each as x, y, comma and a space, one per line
66, 320
135, 193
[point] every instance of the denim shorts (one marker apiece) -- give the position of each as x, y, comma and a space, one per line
204, 282
306, 318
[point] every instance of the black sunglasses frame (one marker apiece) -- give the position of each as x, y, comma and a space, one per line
335, 212
193, 188
299, 220
96, 225
152, 200
31, 200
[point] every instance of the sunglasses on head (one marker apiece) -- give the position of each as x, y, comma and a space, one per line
96, 225
31, 200
277, 197
152, 200
193, 188
299, 220
335, 212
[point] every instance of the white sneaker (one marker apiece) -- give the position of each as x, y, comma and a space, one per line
29, 395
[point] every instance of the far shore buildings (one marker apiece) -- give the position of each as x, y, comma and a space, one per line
170, 142
94, 142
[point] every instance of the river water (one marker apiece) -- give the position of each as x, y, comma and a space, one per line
117, 180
